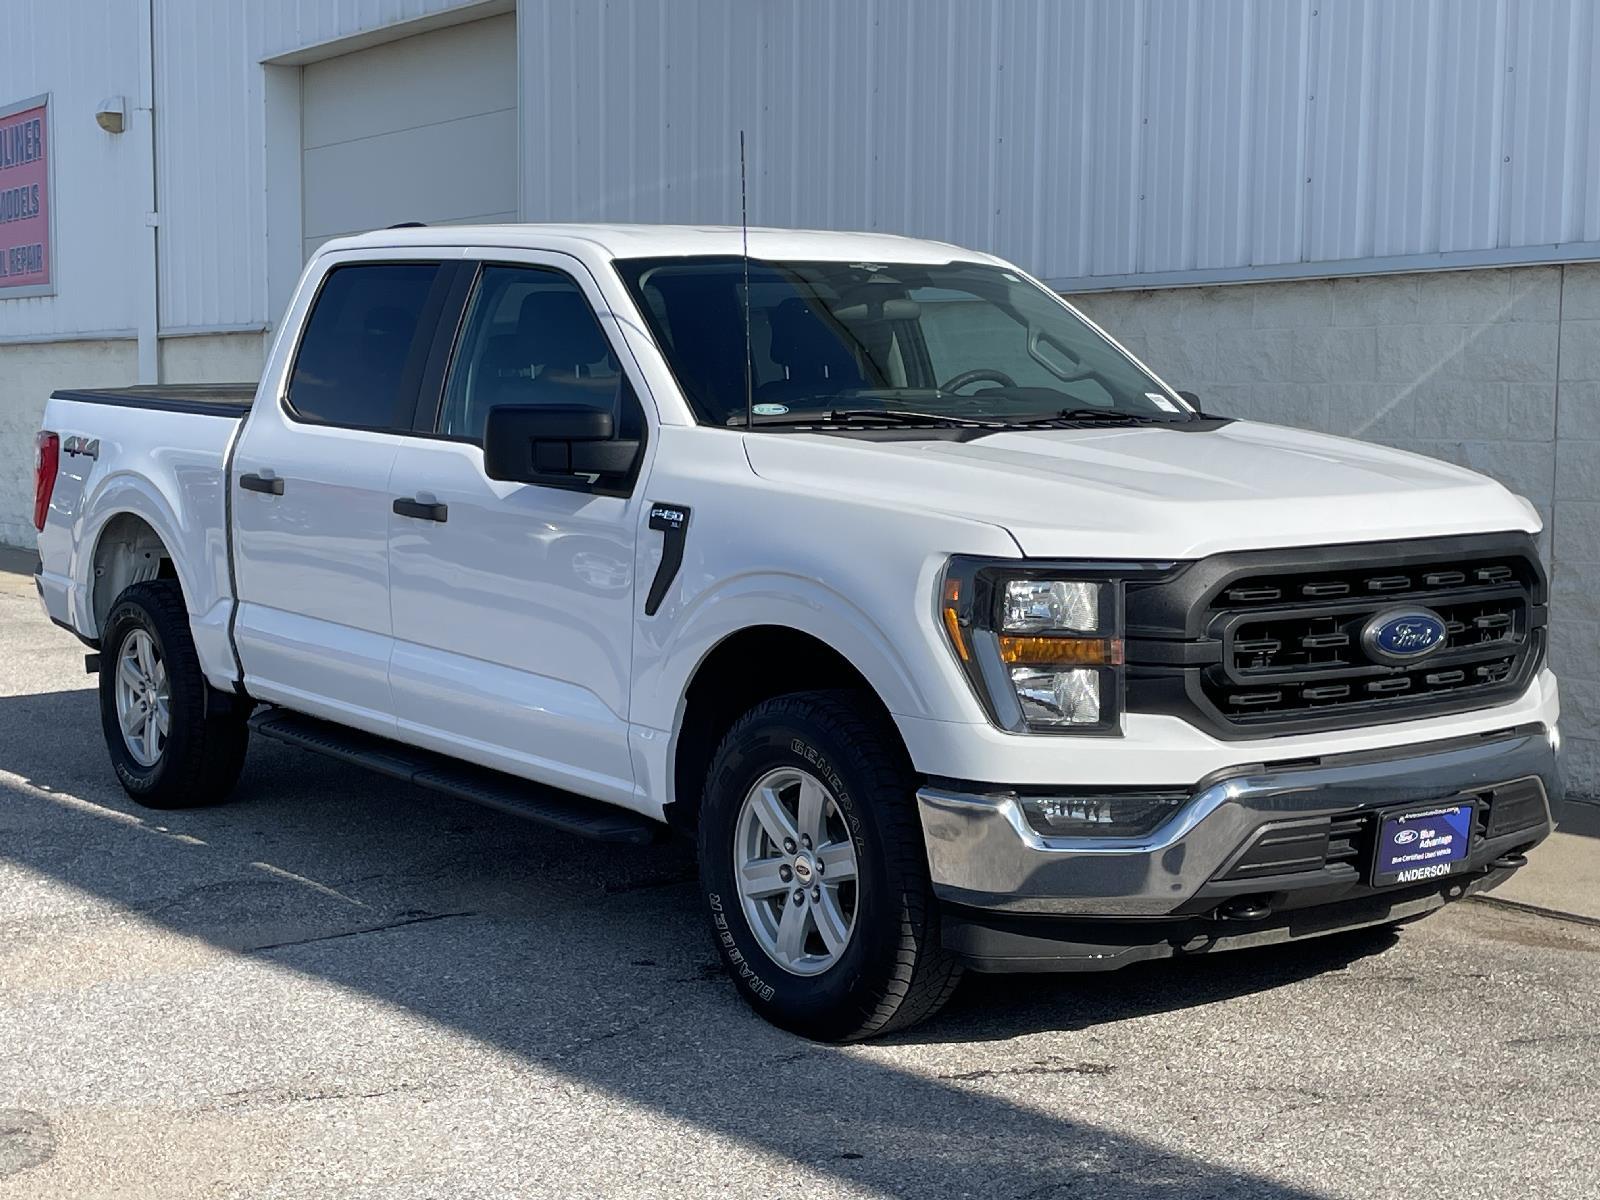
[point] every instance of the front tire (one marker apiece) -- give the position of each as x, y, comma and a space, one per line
814, 872
175, 741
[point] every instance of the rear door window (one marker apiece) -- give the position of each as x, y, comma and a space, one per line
364, 346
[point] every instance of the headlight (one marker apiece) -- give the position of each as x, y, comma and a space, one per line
1057, 697
1042, 645
1051, 604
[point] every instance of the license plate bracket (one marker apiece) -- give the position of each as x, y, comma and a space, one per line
1416, 844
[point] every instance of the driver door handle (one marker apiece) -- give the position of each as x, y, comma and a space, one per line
422, 510
267, 485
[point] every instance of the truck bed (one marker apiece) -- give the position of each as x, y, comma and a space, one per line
149, 457
201, 399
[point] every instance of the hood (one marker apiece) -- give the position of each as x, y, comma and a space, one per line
1147, 492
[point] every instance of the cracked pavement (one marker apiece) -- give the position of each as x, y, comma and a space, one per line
338, 986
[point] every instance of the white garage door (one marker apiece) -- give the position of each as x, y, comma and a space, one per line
423, 129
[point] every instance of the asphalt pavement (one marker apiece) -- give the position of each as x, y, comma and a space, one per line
336, 986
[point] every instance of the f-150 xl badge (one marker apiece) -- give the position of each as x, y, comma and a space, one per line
672, 521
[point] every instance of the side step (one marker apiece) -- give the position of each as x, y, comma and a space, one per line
493, 789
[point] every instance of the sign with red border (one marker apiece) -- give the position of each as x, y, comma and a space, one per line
25, 250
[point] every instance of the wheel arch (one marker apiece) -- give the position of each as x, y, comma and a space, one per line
128, 513
745, 667
128, 549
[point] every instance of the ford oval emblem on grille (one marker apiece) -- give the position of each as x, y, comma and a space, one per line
1402, 635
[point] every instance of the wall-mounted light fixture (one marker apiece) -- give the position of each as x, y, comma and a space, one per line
111, 114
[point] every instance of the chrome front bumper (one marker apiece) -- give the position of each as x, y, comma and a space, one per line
984, 854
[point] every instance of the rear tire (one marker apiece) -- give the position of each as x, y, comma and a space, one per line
175, 741
839, 944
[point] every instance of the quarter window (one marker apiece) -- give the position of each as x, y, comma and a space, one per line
364, 345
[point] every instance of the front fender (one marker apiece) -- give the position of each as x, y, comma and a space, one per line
767, 599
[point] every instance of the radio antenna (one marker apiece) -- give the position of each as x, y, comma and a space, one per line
744, 239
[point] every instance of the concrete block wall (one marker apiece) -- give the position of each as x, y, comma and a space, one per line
1497, 370
29, 372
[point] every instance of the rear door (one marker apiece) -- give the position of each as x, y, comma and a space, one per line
311, 495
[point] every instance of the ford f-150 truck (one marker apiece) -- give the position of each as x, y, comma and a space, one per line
955, 637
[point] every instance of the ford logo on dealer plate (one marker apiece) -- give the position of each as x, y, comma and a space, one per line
1403, 636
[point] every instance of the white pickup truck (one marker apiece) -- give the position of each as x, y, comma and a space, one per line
955, 636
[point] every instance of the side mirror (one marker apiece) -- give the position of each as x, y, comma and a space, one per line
564, 445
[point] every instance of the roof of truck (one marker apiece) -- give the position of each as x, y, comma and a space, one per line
668, 241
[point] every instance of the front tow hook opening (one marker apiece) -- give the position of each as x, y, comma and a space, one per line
1245, 908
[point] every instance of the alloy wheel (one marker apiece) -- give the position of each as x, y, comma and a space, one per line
795, 864
143, 698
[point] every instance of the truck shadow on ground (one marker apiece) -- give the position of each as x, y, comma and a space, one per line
592, 963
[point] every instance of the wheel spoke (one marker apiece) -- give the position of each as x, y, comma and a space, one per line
134, 721
759, 878
813, 810
838, 861
128, 672
792, 931
159, 678
774, 818
163, 721
146, 651
830, 922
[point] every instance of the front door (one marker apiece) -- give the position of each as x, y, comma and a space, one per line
311, 495
512, 603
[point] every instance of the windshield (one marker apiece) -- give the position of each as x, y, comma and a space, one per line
959, 340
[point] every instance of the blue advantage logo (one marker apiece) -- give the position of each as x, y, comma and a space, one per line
1402, 636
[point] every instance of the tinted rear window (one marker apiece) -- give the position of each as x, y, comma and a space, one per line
363, 346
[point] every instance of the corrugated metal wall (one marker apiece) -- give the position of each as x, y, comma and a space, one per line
210, 179
284, 26
1099, 142
48, 46
211, 104
210, 157
1096, 141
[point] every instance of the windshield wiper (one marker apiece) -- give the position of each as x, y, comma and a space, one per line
907, 416
1091, 414
864, 416
932, 420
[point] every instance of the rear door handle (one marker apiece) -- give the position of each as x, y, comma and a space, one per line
269, 485
422, 510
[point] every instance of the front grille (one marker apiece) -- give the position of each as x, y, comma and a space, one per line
1342, 843
1284, 849
1341, 846
1348, 839
1272, 642
1285, 661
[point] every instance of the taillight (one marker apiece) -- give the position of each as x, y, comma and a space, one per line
46, 460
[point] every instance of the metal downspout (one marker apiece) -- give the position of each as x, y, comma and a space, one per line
149, 264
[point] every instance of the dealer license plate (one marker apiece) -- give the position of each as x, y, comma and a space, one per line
1422, 844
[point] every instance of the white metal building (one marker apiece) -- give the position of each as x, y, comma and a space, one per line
1371, 216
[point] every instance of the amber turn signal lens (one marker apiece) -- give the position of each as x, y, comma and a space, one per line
1070, 651
952, 623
